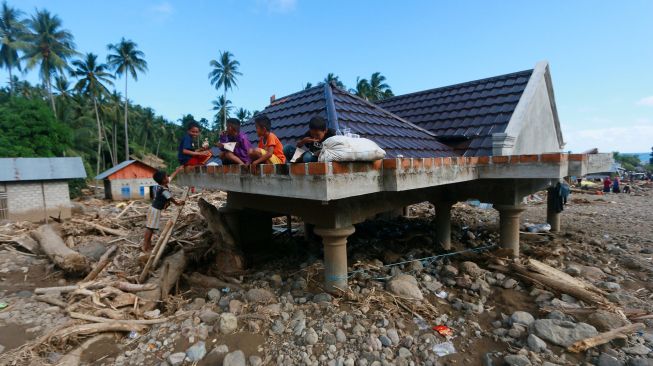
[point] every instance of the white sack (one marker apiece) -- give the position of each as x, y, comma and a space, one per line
343, 148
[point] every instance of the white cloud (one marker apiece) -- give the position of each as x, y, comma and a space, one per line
280, 6
162, 10
646, 101
635, 138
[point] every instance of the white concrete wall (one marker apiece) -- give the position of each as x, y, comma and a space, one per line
134, 185
25, 200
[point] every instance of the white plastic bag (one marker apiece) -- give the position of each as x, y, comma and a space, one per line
343, 148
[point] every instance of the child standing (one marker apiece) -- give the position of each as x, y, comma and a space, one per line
162, 198
311, 141
240, 154
270, 149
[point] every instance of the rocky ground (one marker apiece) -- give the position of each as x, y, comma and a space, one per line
278, 314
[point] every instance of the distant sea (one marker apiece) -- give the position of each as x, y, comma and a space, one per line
643, 157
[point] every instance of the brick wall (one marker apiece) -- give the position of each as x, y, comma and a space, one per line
25, 200
134, 188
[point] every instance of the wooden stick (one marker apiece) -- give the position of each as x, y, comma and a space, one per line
87, 329
605, 337
163, 240
134, 287
54, 247
98, 319
101, 228
125, 210
103, 262
71, 288
52, 301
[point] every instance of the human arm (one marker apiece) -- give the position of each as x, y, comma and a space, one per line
195, 153
305, 140
177, 202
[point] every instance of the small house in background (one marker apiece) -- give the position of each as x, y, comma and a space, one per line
33, 189
131, 179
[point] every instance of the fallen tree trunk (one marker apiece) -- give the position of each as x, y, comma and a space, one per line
200, 280
537, 266
88, 329
605, 337
164, 278
103, 262
229, 258
98, 319
54, 247
73, 358
101, 228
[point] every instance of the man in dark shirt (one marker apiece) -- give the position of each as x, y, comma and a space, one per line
187, 154
311, 141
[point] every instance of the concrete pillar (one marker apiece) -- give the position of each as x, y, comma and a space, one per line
552, 217
509, 227
443, 224
335, 256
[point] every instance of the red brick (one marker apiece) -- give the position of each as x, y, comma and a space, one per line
390, 163
528, 158
460, 161
446, 161
360, 167
268, 169
377, 164
551, 158
298, 169
500, 159
483, 160
341, 168
428, 163
210, 169
405, 163
255, 170
317, 168
577, 157
438, 162
472, 160
417, 164
234, 169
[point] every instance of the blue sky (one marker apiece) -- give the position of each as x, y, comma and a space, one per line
601, 52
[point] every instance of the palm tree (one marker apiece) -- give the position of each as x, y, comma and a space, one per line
224, 74
362, 88
332, 78
147, 125
223, 106
127, 60
308, 86
48, 46
378, 88
243, 114
12, 31
92, 79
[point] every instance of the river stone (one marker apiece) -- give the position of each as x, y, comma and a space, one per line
209, 316
517, 360
535, 343
609, 360
406, 286
236, 358
471, 269
255, 360
605, 320
214, 295
561, 332
311, 336
228, 323
260, 295
196, 352
639, 349
176, 358
521, 317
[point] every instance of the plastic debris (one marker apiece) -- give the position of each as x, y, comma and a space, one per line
3, 305
196, 352
442, 294
443, 349
443, 330
133, 334
225, 290
421, 324
537, 228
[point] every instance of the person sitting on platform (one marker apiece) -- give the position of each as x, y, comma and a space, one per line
187, 154
239, 153
311, 141
270, 148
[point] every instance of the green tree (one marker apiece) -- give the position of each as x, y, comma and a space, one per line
12, 31
47, 46
92, 79
223, 107
378, 88
308, 86
224, 74
126, 60
362, 88
331, 78
243, 114
30, 129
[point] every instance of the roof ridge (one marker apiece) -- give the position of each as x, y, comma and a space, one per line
454, 85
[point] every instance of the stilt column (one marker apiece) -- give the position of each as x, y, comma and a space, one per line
552, 216
443, 224
335, 256
509, 227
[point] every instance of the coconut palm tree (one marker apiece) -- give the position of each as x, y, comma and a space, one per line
308, 86
126, 60
362, 88
12, 31
331, 78
243, 114
47, 46
378, 88
147, 125
92, 79
223, 106
224, 74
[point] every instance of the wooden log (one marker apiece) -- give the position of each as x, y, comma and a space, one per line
204, 281
134, 287
54, 247
605, 337
100, 228
157, 252
165, 277
28, 243
125, 210
103, 262
52, 301
537, 266
217, 225
71, 288
98, 319
73, 358
88, 329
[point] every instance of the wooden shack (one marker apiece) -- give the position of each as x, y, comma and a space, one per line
131, 179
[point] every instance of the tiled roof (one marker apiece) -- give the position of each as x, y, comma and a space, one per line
119, 167
290, 116
464, 116
24, 169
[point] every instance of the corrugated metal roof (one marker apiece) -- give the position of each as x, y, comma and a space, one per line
472, 111
24, 169
116, 168
290, 116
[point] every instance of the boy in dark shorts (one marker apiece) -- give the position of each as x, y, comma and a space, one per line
162, 198
311, 141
